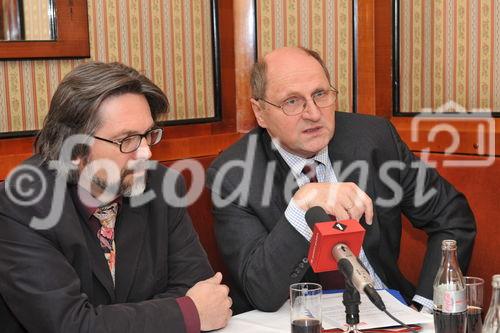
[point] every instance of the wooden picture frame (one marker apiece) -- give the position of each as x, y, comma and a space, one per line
72, 36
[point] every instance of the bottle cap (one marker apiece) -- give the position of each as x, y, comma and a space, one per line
449, 244
495, 281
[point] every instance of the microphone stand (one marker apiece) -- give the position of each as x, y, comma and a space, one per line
351, 301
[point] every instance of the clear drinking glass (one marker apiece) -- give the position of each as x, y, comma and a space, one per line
474, 292
305, 307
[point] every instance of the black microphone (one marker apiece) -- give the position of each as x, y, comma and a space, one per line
315, 215
351, 267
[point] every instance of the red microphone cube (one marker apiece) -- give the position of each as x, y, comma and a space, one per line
328, 234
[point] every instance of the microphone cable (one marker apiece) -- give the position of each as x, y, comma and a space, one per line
399, 321
375, 298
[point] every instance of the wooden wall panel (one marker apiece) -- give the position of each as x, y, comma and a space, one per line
245, 54
227, 53
383, 57
374, 64
478, 137
366, 58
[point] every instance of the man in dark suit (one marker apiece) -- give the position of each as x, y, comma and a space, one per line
304, 154
91, 239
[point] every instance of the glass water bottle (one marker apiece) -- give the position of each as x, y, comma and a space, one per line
492, 320
450, 303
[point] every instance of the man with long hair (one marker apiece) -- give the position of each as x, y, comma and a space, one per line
98, 249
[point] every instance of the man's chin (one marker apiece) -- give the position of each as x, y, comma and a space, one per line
318, 143
135, 187
134, 190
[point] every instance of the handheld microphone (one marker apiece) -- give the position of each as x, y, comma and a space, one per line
330, 250
355, 272
326, 234
351, 267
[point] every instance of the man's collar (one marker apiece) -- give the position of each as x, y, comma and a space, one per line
297, 163
322, 156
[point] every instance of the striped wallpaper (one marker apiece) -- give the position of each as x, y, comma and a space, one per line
449, 51
170, 41
322, 25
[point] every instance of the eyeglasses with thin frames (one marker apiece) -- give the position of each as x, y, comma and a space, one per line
132, 142
296, 105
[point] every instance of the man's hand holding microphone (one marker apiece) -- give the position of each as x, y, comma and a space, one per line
343, 200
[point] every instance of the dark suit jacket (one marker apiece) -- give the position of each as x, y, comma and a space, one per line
265, 254
57, 280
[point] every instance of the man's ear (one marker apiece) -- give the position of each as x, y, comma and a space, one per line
80, 161
258, 112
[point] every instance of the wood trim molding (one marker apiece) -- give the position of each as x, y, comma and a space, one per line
14, 151
375, 57
383, 57
193, 147
227, 91
245, 47
366, 95
467, 132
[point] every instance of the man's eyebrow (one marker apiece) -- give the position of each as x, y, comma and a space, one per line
292, 93
318, 90
129, 132
287, 94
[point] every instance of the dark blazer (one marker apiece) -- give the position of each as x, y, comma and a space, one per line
57, 280
265, 254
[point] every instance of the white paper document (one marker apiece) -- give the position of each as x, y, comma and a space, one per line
333, 316
369, 316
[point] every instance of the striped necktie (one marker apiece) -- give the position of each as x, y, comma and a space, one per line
328, 280
106, 234
309, 171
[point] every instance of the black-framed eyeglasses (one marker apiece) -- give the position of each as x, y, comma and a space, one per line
297, 104
132, 142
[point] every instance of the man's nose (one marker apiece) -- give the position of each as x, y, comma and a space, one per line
144, 151
311, 110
